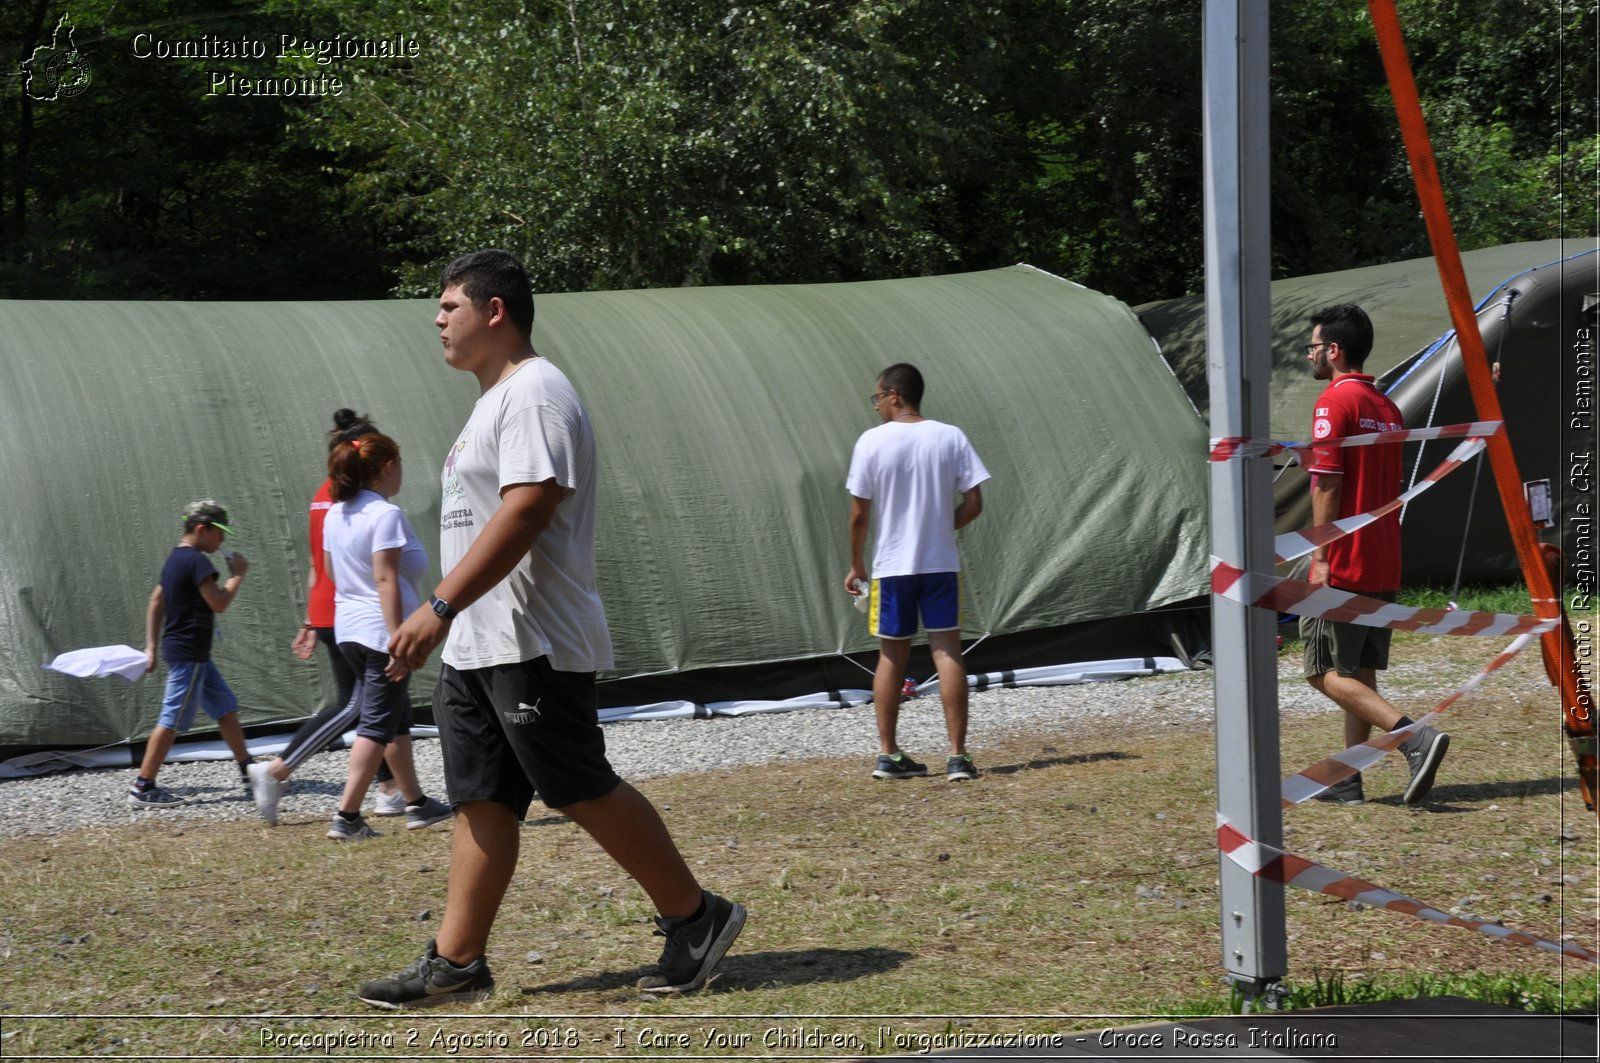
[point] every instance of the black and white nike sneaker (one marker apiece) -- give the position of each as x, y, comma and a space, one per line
694, 946
431, 981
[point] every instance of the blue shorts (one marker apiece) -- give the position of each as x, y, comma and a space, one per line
381, 708
192, 683
896, 600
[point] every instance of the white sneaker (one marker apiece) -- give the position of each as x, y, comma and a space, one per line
390, 804
266, 790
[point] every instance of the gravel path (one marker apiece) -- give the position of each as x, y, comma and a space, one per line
67, 800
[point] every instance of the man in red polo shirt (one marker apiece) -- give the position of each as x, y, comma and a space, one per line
1343, 660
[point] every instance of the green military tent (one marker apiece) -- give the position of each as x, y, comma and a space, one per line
725, 418
1535, 301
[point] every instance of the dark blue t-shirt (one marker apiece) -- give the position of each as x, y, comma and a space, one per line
190, 621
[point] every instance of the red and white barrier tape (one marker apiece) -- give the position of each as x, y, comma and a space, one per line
1298, 596
1309, 599
1228, 448
1296, 544
1311, 781
1275, 865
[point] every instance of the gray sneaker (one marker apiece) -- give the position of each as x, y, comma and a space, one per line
431, 981
897, 766
427, 814
960, 768
1424, 750
351, 830
266, 790
155, 797
1344, 792
694, 948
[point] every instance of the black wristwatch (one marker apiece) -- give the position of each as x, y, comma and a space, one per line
441, 608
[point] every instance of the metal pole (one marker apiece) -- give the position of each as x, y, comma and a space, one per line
1238, 341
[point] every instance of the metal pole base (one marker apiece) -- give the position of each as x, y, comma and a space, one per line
1252, 995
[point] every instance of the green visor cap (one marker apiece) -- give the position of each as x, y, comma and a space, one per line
207, 511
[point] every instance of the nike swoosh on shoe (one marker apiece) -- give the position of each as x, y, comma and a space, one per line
698, 952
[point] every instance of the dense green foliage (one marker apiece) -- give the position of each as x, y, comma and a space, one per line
642, 143
144, 187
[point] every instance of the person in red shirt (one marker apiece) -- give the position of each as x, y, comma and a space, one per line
1342, 660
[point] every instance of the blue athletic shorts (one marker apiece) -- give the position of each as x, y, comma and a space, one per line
191, 684
896, 600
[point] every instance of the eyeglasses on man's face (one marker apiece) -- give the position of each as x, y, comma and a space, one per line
1312, 348
878, 396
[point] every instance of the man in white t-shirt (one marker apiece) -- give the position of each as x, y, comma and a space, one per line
524, 632
913, 469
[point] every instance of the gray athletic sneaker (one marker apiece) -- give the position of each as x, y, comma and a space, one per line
427, 814
1344, 792
155, 797
897, 766
266, 790
1424, 750
960, 768
350, 830
431, 981
694, 948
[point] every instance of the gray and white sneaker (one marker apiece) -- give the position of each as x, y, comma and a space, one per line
266, 790
1344, 792
428, 813
351, 830
1424, 750
694, 947
431, 981
155, 797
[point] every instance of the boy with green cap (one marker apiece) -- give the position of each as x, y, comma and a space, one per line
183, 609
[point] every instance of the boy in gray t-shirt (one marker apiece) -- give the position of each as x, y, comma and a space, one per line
524, 632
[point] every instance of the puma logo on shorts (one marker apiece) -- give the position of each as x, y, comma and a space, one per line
523, 713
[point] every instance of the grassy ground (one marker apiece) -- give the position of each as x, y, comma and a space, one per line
1075, 880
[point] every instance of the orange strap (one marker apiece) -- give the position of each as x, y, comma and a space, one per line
1447, 256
